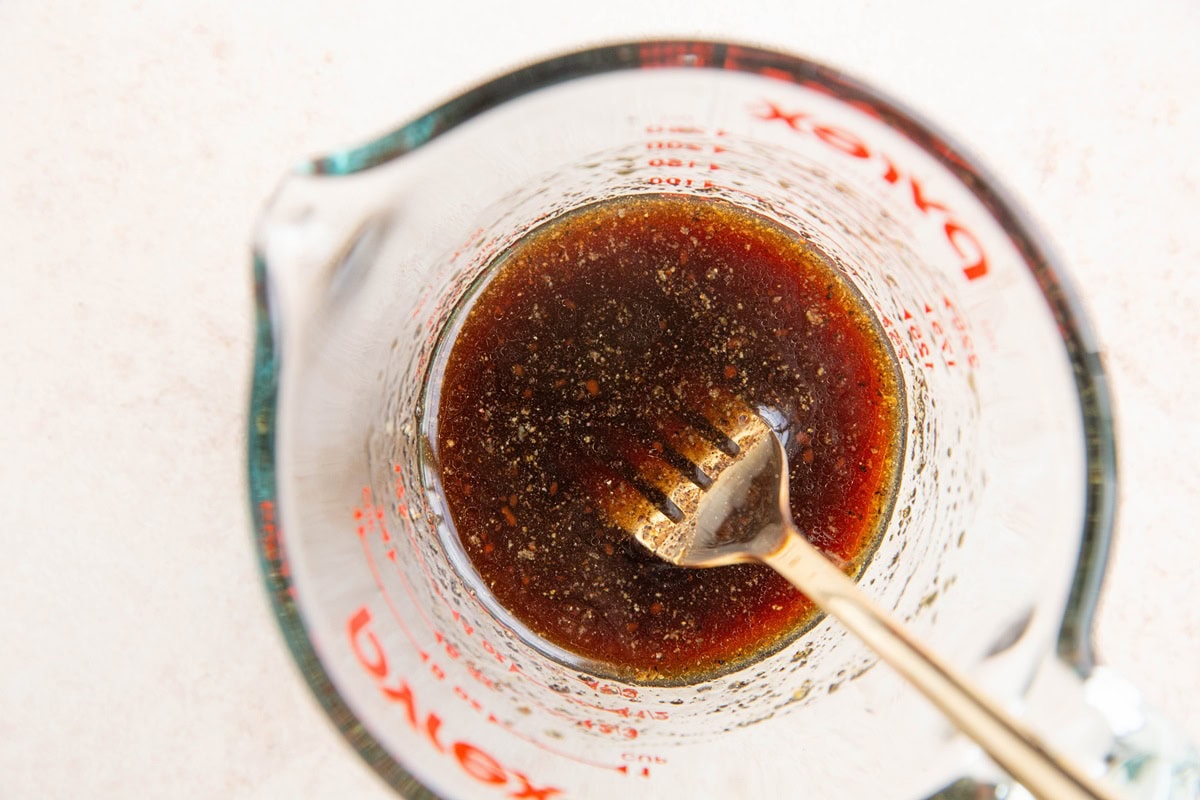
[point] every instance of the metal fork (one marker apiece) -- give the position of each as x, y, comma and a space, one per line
729, 504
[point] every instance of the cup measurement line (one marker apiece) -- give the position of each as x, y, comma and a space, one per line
513, 666
441, 674
371, 522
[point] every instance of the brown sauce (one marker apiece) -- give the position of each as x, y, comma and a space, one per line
593, 336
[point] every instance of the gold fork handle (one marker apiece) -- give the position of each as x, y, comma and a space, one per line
1043, 772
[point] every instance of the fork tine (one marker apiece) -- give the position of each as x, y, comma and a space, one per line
651, 436
659, 487
636, 464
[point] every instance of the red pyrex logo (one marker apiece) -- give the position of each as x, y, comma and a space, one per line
964, 243
471, 759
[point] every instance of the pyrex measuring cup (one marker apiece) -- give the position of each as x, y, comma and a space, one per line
994, 550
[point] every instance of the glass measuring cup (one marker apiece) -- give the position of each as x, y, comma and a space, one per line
993, 552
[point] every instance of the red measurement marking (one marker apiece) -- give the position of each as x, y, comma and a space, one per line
473, 760
478, 675
675, 145
374, 517
270, 532
676, 163
371, 513
964, 243
628, 692
679, 162
374, 660
451, 651
675, 129
272, 545
488, 647
412, 538
543, 746
960, 325
627, 712
939, 334
893, 335
388, 600
920, 346
643, 713
563, 694
658, 180
934, 337
608, 728
643, 758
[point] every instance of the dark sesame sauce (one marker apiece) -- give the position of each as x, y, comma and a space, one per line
589, 344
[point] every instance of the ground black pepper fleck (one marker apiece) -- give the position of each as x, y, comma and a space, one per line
592, 342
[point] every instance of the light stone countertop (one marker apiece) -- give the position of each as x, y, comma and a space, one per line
139, 655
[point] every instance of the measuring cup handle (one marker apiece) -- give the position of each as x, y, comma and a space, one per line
1046, 773
1100, 717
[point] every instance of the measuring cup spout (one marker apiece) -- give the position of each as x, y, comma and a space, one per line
317, 242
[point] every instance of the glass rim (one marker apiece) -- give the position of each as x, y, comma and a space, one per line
1074, 643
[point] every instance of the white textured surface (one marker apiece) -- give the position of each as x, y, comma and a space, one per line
138, 655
